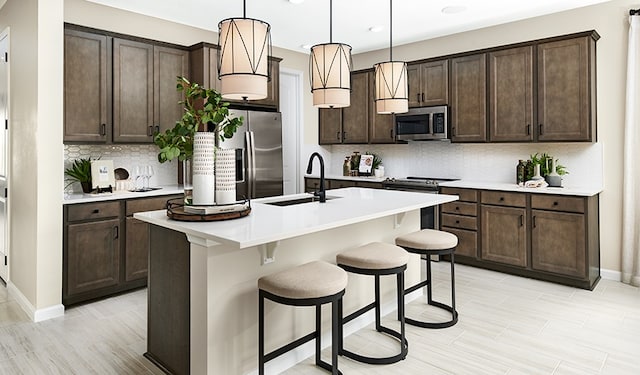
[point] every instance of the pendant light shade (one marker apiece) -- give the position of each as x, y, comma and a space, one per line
391, 87
391, 95
330, 72
245, 47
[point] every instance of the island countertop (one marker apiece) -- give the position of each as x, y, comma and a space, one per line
269, 223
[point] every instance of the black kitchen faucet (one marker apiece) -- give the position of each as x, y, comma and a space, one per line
320, 193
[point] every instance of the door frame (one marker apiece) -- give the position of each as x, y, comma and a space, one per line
6, 270
297, 113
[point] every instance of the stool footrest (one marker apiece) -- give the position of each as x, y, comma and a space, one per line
377, 360
416, 287
292, 345
418, 323
358, 312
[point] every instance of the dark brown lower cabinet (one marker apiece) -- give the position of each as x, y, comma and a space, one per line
93, 255
558, 242
106, 250
504, 237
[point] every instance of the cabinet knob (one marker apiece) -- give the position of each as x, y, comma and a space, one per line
457, 221
501, 199
103, 129
540, 129
457, 208
150, 130
555, 203
96, 211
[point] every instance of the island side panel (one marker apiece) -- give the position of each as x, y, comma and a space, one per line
168, 321
231, 316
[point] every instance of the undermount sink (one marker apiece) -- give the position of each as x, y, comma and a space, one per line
294, 201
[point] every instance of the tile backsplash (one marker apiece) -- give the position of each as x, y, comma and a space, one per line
123, 156
495, 162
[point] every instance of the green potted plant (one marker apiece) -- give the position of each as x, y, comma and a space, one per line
80, 171
204, 110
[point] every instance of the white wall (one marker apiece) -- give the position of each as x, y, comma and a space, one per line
610, 20
35, 120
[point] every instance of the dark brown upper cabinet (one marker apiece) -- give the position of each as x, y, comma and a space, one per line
566, 90
349, 124
381, 127
511, 95
330, 126
87, 87
145, 99
428, 83
469, 98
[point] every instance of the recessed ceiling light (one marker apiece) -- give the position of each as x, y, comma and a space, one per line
306, 46
375, 29
453, 9
296, 1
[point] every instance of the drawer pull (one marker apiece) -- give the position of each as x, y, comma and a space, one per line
96, 211
116, 231
501, 199
555, 203
457, 221
457, 208
534, 221
521, 220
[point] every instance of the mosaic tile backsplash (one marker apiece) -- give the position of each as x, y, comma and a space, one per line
124, 156
478, 162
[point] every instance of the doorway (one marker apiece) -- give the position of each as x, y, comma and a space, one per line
291, 108
4, 146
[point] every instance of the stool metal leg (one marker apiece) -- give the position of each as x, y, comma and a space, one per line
318, 335
429, 280
377, 302
260, 333
335, 334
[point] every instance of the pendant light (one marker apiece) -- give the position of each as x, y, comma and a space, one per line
391, 90
245, 47
330, 71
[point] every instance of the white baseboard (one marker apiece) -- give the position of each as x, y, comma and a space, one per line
33, 314
611, 275
291, 358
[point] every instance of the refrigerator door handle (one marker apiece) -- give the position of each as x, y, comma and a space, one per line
252, 161
249, 167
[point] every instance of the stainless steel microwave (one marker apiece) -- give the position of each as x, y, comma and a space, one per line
422, 124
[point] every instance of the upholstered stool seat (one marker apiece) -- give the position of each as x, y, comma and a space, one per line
428, 242
376, 259
311, 284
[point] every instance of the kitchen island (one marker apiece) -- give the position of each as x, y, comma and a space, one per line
202, 312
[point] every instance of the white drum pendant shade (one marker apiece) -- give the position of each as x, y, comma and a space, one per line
330, 66
391, 90
245, 46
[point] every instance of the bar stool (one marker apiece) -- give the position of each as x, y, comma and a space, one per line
376, 259
428, 242
311, 284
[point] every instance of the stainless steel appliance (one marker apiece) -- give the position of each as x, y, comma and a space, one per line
429, 216
422, 124
258, 144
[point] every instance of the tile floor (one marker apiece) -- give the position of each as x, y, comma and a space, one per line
508, 325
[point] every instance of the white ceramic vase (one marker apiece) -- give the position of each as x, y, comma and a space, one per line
203, 165
225, 176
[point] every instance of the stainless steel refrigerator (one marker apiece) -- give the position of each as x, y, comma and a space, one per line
258, 145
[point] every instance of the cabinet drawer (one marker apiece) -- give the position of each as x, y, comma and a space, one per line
460, 208
89, 211
467, 242
466, 195
147, 204
312, 183
502, 198
557, 203
337, 184
457, 221
371, 185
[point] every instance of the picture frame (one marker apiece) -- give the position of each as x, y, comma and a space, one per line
102, 175
366, 165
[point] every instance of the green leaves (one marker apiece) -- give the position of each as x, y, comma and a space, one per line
544, 161
202, 106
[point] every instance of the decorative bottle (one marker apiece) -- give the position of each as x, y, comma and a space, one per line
520, 172
346, 167
528, 170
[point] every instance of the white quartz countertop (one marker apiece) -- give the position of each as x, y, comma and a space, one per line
569, 190
122, 194
268, 223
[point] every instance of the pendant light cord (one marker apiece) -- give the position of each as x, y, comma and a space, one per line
244, 8
330, 21
390, 30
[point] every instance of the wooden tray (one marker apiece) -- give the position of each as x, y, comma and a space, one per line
175, 211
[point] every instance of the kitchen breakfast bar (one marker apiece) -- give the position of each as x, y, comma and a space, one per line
202, 285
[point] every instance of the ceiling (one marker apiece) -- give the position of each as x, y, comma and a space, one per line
307, 23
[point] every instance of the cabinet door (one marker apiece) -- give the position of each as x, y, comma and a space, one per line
504, 235
168, 63
132, 91
558, 243
87, 87
381, 127
415, 85
355, 117
136, 257
435, 83
467, 242
511, 95
330, 126
468, 99
93, 256
564, 72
